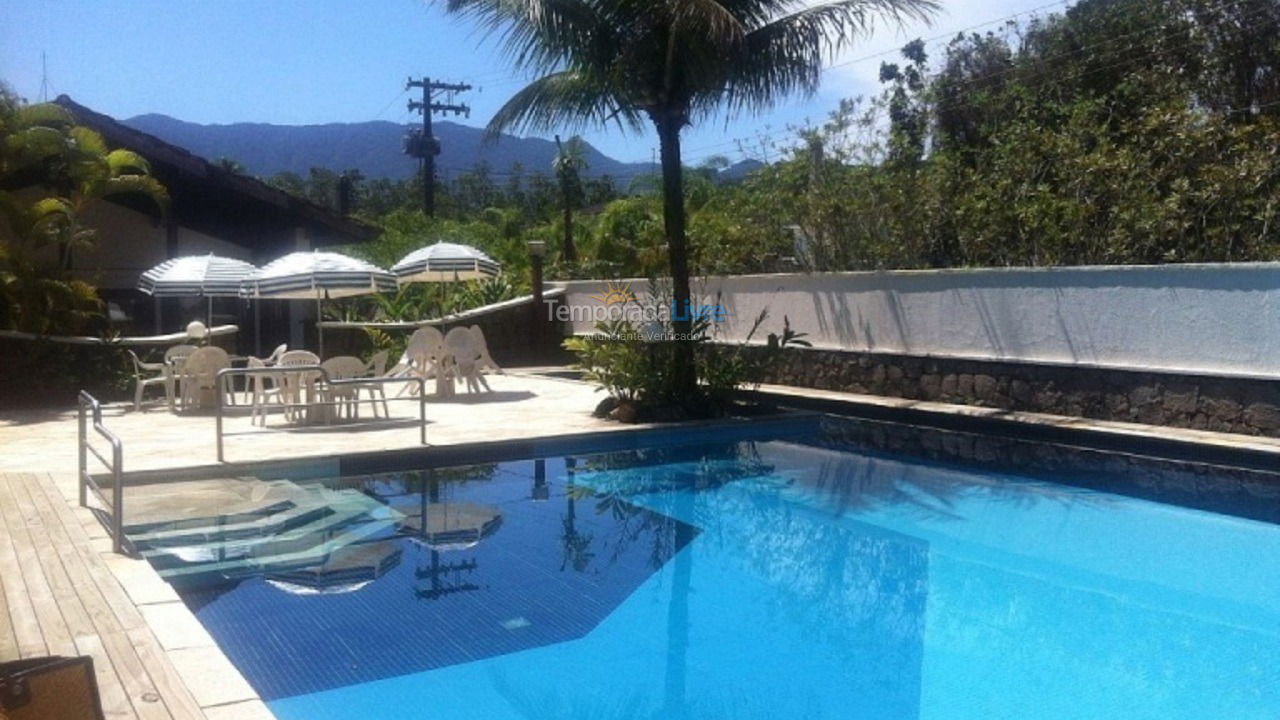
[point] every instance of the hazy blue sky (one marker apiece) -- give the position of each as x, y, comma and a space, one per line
321, 61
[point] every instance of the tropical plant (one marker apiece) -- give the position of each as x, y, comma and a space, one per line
489, 291
635, 362
50, 170
672, 62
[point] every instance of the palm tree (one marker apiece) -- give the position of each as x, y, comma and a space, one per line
672, 62
571, 159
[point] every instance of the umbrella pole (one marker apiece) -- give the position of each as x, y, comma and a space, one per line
159, 321
208, 316
257, 328
319, 328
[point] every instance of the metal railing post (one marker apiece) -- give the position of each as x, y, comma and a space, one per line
116, 524
422, 410
221, 378
117, 497
84, 459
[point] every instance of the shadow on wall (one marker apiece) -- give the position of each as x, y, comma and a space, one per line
1206, 318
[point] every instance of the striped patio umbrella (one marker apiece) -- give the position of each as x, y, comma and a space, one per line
319, 276
207, 276
445, 262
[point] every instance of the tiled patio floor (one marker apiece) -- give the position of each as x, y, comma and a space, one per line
522, 405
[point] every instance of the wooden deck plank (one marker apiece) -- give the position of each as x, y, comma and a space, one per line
142, 691
22, 611
161, 673
95, 569
130, 672
115, 702
50, 554
22, 517
181, 703
8, 639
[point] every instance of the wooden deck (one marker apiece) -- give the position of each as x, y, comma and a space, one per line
60, 598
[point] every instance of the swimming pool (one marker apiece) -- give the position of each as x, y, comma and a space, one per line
823, 569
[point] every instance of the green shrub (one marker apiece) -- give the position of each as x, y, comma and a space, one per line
638, 366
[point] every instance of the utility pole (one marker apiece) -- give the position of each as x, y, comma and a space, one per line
44, 78
423, 144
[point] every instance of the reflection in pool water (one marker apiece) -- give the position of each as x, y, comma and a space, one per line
798, 577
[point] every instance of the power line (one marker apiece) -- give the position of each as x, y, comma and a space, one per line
948, 35
390, 103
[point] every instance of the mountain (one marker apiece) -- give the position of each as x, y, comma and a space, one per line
375, 148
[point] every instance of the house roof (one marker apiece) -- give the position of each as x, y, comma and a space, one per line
217, 201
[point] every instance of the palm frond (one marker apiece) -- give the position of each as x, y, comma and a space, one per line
48, 207
141, 185
48, 115
88, 141
539, 35
721, 26
563, 99
127, 162
786, 55
31, 145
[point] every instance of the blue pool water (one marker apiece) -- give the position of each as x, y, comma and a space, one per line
799, 576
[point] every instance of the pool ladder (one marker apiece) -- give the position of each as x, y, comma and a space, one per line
115, 521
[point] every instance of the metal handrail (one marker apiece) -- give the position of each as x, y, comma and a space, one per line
115, 465
220, 388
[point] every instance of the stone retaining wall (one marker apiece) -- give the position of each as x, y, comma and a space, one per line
1223, 404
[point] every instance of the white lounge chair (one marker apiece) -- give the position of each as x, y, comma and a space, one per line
422, 356
462, 358
486, 361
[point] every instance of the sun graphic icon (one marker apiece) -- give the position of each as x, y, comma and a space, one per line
615, 294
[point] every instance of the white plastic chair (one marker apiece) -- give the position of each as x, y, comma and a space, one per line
345, 367
200, 372
174, 357
265, 390
294, 385
265, 382
377, 368
147, 374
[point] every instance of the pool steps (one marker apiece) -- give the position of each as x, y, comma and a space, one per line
299, 531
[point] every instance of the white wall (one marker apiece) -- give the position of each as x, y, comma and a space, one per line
1200, 318
129, 242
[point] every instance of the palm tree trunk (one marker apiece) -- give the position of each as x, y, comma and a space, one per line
677, 250
568, 252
